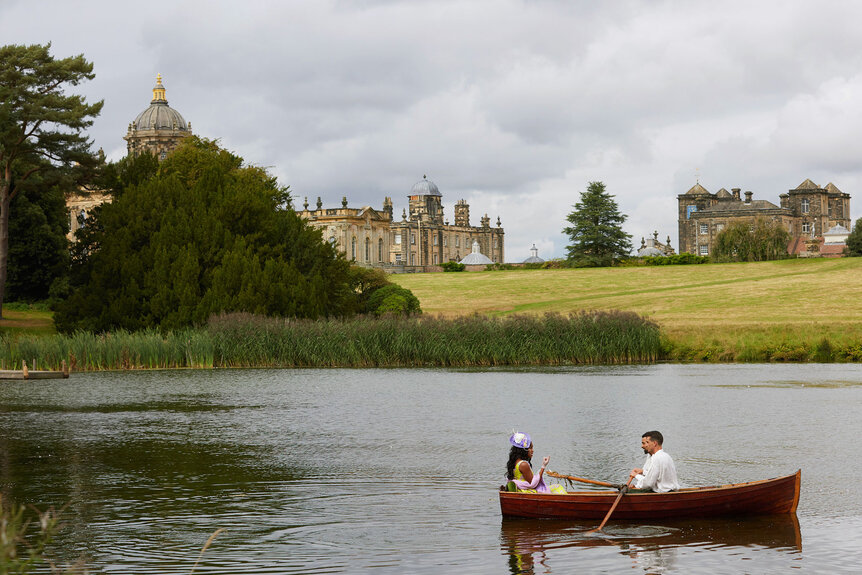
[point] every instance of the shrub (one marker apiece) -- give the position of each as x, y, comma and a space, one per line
452, 267
675, 260
393, 298
495, 267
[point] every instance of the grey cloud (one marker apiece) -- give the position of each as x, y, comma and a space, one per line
514, 104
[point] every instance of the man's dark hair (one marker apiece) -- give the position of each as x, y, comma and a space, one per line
655, 436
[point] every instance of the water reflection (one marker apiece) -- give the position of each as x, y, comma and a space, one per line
530, 545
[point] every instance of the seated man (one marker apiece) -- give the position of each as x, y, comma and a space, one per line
659, 472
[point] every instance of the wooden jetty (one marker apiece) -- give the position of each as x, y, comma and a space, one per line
25, 373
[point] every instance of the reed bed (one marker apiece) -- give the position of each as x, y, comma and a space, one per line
245, 340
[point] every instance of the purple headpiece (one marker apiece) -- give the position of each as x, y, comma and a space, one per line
521, 440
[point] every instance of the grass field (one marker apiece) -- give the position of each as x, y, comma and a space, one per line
20, 320
801, 309
792, 310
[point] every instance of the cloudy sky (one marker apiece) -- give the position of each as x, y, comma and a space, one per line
512, 105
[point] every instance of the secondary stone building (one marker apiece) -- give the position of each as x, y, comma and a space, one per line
418, 241
806, 211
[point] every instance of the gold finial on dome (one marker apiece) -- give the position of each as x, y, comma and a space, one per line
159, 90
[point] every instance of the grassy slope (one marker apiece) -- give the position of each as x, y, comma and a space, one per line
34, 322
715, 311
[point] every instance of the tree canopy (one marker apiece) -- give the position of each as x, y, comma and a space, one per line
41, 128
854, 240
596, 234
203, 234
38, 266
751, 242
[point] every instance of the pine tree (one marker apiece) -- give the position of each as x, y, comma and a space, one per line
596, 234
40, 126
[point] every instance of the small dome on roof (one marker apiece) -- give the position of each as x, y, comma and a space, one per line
476, 257
424, 187
534, 257
650, 252
160, 116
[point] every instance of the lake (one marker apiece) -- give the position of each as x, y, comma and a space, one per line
397, 471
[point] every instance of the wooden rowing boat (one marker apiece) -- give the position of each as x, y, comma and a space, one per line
765, 497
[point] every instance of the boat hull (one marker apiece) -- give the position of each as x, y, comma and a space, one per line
765, 497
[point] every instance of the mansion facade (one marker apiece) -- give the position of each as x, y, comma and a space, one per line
421, 239
807, 212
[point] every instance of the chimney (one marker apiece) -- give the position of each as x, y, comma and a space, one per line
735, 193
747, 197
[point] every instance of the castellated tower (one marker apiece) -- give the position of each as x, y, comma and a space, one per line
462, 213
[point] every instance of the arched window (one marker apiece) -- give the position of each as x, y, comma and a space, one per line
367, 249
380, 250
353, 248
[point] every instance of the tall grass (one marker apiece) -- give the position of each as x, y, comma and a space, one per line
245, 340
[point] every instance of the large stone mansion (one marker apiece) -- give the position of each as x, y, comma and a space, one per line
420, 240
365, 235
808, 212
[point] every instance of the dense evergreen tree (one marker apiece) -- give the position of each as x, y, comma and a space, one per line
40, 126
854, 240
746, 242
205, 234
38, 221
596, 234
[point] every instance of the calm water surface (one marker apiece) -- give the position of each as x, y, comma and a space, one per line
396, 471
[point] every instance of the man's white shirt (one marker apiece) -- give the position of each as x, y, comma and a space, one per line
659, 473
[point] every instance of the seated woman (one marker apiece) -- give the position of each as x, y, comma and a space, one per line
519, 470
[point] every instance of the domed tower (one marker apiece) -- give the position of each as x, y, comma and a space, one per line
159, 129
426, 202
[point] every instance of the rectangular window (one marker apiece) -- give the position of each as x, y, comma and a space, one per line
719, 227
704, 250
457, 241
806, 227
689, 210
445, 241
806, 205
435, 239
412, 259
398, 259
398, 238
704, 229
413, 239
435, 259
496, 243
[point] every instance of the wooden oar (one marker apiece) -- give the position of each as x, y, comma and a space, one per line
614, 506
581, 479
